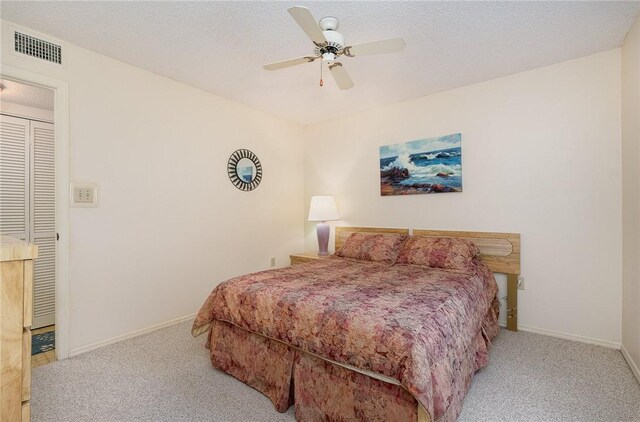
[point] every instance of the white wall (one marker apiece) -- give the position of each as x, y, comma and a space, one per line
169, 225
631, 197
541, 157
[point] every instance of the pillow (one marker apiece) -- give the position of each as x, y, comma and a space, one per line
375, 247
438, 252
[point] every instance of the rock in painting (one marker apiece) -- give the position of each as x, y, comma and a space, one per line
395, 174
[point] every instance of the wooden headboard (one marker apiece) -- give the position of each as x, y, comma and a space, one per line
500, 251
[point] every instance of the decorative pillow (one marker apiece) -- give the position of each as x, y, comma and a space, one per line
372, 246
438, 252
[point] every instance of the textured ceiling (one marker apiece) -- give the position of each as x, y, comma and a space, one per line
27, 95
221, 46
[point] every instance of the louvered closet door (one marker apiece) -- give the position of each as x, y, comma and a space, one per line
14, 177
43, 227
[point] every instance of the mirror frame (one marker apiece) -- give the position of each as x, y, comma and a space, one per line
232, 170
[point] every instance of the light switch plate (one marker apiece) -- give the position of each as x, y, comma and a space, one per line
84, 195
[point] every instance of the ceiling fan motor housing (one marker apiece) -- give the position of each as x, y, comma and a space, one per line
335, 43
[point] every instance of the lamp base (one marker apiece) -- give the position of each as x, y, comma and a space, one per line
323, 230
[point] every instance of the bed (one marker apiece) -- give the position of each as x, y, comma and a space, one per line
382, 338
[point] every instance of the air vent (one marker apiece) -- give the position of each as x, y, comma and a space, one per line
38, 48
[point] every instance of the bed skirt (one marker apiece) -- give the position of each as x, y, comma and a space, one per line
322, 390
259, 362
328, 392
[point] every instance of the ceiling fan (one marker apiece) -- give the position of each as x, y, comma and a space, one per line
329, 45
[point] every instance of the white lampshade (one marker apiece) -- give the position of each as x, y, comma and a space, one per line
323, 208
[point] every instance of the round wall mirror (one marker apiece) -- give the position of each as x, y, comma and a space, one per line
245, 170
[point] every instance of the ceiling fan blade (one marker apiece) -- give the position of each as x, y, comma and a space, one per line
290, 62
308, 23
392, 45
341, 76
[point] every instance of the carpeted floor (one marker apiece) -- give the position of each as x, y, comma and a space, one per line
166, 376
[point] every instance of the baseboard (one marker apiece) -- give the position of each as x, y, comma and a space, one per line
572, 337
632, 364
90, 347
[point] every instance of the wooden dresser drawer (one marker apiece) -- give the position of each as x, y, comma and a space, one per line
11, 308
26, 365
27, 314
16, 299
26, 412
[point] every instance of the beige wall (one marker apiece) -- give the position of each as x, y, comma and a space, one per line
631, 197
169, 225
541, 157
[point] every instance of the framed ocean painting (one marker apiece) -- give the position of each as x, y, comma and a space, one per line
432, 165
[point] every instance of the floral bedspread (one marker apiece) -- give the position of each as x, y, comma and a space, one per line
421, 326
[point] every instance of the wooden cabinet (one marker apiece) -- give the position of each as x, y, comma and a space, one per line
301, 258
16, 312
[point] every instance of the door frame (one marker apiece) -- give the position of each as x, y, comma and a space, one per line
61, 127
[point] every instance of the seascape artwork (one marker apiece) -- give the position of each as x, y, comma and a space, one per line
432, 165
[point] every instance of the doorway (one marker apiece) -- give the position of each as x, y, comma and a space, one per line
60, 120
27, 194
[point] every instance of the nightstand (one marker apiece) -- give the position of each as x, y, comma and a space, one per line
301, 258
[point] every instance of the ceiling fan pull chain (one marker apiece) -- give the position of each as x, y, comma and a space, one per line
321, 81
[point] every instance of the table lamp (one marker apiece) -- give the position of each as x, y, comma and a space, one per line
323, 208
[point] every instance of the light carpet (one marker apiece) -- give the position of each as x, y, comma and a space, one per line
166, 376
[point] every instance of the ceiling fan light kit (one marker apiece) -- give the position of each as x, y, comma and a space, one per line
329, 45
328, 58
